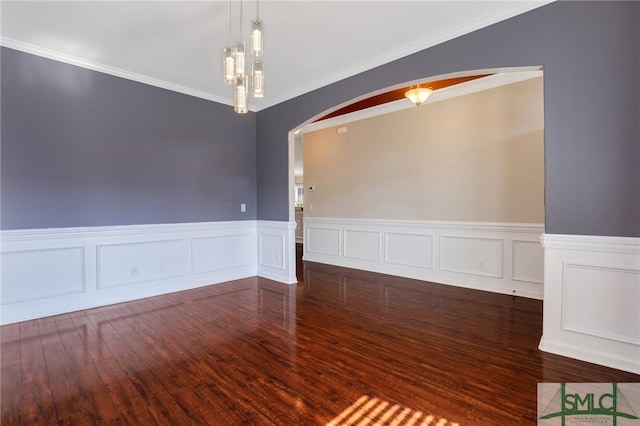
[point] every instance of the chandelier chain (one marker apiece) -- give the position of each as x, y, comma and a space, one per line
240, 19
230, 36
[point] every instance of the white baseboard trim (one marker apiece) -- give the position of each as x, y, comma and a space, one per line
592, 355
51, 271
497, 257
592, 299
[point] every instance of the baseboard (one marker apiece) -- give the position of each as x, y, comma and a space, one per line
592, 299
497, 257
591, 355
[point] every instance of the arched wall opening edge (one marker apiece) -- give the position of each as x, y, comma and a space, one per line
298, 130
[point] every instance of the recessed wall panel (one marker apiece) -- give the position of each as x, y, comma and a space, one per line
409, 249
271, 250
221, 252
131, 263
528, 261
602, 302
471, 255
364, 245
37, 274
323, 241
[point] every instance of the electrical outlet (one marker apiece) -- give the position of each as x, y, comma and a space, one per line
161, 267
134, 271
481, 264
243, 207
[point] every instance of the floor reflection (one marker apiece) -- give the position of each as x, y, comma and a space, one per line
393, 299
343, 347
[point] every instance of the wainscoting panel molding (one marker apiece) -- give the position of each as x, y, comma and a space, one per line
220, 252
590, 293
363, 245
471, 255
592, 299
51, 271
276, 251
474, 255
527, 258
271, 251
60, 268
323, 240
408, 249
131, 263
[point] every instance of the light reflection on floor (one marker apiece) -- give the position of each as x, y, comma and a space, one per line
374, 411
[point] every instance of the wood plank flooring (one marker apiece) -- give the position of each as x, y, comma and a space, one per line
344, 347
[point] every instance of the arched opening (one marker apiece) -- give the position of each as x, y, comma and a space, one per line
499, 181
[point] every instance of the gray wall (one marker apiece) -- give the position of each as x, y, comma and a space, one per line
589, 51
82, 148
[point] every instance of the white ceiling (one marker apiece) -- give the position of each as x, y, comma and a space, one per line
178, 44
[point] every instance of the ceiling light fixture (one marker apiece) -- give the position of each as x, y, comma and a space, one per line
234, 63
257, 37
418, 95
258, 78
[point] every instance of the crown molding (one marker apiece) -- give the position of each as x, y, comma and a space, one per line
516, 8
106, 69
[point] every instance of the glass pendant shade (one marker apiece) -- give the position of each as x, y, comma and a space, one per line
236, 61
228, 65
241, 101
419, 94
240, 61
257, 38
258, 79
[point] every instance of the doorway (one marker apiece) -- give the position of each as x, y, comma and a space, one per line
411, 209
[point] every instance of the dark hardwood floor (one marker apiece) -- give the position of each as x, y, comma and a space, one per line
344, 347
299, 262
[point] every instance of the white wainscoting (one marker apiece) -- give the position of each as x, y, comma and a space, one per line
50, 271
61, 268
276, 251
503, 258
592, 299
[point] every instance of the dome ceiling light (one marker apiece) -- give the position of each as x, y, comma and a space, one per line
418, 95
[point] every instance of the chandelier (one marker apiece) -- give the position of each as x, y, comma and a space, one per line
234, 64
